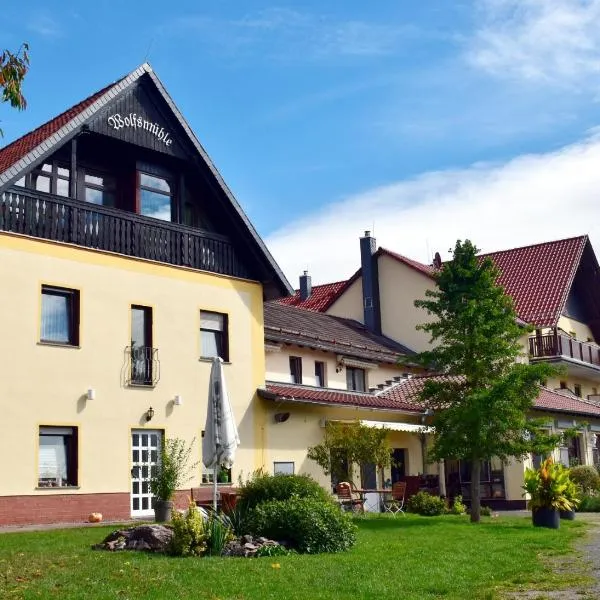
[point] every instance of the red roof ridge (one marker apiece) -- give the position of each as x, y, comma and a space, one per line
567, 239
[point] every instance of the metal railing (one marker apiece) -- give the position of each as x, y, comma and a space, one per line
143, 366
61, 219
560, 345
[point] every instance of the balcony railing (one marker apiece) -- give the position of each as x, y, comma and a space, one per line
142, 365
561, 345
65, 220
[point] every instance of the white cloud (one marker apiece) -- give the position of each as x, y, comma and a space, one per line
555, 41
45, 25
526, 200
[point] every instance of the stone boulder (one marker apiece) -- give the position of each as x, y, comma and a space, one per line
247, 546
151, 538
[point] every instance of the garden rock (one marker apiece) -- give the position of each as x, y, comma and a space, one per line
247, 546
149, 538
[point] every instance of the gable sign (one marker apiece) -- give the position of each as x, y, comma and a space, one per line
135, 121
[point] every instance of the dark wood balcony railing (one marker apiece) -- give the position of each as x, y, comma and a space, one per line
65, 220
142, 365
561, 345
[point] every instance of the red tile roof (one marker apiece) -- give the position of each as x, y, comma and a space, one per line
319, 300
539, 277
314, 395
403, 396
16, 150
425, 269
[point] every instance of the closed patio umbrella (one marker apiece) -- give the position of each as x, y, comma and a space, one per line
221, 438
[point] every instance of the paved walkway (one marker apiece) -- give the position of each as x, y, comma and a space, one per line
586, 562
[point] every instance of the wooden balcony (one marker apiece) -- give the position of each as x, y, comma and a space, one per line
560, 346
102, 228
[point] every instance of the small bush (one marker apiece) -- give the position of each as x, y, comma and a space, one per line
218, 532
426, 504
458, 508
262, 488
589, 504
485, 511
237, 518
273, 551
586, 478
189, 536
309, 525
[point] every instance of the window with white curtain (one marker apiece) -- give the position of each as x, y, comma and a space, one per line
214, 335
57, 457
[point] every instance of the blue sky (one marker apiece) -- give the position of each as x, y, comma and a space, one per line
428, 121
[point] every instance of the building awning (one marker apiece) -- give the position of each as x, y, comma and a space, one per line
395, 426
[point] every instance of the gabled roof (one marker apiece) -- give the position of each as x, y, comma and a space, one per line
537, 277
31, 149
319, 299
306, 394
298, 326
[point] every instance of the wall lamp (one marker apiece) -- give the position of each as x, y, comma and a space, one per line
281, 417
91, 394
149, 414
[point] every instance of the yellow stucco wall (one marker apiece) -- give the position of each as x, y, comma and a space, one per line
45, 385
399, 287
289, 441
582, 332
278, 368
350, 303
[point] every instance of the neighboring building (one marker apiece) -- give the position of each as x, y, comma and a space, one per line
126, 265
555, 287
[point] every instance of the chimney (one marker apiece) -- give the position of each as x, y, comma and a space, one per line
305, 286
370, 283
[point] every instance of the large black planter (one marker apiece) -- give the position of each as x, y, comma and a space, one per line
569, 515
546, 517
162, 510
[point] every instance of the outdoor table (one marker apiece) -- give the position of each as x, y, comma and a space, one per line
381, 492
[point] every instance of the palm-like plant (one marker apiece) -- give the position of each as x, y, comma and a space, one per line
549, 487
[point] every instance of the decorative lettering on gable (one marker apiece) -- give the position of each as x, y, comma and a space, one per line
135, 121
141, 117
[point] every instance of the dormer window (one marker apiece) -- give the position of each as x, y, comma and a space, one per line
99, 188
52, 178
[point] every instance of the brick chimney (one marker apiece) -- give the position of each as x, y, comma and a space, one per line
305, 286
370, 283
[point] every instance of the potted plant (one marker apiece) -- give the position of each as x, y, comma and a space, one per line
171, 472
572, 495
548, 490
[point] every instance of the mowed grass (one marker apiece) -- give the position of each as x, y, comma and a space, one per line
407, 557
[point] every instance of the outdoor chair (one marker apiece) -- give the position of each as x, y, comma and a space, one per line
346, 498
395, 502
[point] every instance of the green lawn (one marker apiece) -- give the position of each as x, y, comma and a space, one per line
403, 558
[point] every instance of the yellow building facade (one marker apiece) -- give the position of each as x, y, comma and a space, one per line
113, 309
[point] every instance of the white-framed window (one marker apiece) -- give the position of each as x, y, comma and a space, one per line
283, 468
320, 373
296, 369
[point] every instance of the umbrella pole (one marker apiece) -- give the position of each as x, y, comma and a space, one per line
215, 489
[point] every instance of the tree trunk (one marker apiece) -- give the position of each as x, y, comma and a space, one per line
475, 500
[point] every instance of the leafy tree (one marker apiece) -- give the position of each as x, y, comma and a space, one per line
480, 407
13, 68
356, 443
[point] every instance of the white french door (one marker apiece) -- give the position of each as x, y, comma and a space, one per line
145, 445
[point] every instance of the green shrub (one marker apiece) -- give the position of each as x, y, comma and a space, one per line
308, 524
485, 511
426, 504
589, 504
189, 536
237, 518
273, 551
586, 478
458, 508
262, 487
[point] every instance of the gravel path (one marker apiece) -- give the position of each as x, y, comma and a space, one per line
585, 562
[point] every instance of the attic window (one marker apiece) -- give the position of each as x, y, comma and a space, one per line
155, 197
